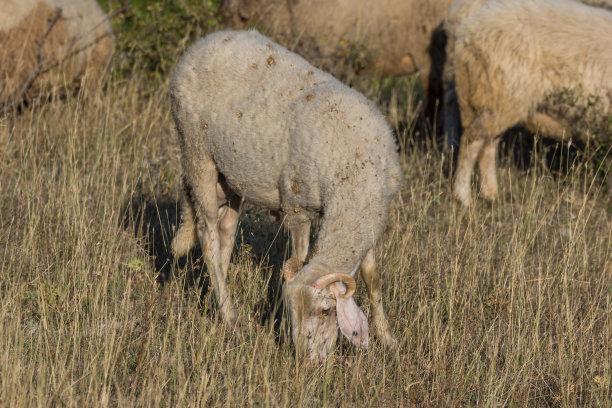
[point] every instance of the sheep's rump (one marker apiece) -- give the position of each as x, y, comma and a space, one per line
514, 58
48, 44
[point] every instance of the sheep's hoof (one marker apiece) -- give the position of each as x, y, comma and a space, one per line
384, 335
228, 313
390, 342
489, 194
463, 196
489, 199
183, 241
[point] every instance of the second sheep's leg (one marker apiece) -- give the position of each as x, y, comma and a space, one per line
369, 273
487, 170
543, 124
452, 119
470, 147
212, 239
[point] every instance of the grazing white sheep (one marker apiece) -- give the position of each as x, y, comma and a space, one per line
259, 123
546, 64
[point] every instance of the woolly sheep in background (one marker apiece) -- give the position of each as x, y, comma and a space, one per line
259, 123
457, 13
77, 42
518, 62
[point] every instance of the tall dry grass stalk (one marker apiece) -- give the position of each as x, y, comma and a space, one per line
509, 304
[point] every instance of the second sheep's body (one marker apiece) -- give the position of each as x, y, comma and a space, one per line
47, 45
460, 11
544, 63
258, 122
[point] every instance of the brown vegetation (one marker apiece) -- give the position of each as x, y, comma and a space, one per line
509, 305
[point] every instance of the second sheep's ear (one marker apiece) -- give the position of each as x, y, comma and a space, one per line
290, 268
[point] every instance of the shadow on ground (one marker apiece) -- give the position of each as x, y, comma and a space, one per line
154, 221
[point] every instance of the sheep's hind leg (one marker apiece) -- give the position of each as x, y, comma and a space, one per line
213, 233
487, 167
186, 236
369, 273
470, 147
228, 221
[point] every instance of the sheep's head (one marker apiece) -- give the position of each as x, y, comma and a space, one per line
318, 303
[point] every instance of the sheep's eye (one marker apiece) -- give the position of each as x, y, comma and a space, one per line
325, 312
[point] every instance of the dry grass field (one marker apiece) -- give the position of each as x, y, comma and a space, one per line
501, 305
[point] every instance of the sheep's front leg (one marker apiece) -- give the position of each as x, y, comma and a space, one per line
470, 147
543, 124
487, 167
299, 228
369, 273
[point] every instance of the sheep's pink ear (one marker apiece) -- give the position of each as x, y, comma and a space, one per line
290, 268
352, 321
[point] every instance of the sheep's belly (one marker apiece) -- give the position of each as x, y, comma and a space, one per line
254, 189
